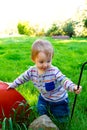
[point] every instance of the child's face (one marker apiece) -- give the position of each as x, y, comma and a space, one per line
43, 62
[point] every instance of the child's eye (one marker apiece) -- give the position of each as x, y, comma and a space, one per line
41, 62
48, 61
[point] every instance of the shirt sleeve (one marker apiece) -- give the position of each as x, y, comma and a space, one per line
24, 77
65, 82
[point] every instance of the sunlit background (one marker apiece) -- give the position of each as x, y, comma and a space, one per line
41, 12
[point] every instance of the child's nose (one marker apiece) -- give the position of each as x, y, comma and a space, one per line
45, 64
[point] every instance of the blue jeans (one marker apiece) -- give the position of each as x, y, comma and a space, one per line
59, 110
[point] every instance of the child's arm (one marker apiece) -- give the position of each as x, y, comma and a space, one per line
67, 83
20, 80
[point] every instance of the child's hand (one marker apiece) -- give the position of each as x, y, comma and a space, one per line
9, 86
77, 90
1, 81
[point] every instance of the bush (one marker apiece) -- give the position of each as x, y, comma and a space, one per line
68, 28
21, 27
25, 28
85, 23
54, 30
81, 29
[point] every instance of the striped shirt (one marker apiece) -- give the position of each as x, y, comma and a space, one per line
53, 85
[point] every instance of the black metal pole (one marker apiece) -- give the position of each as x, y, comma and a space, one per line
78, 88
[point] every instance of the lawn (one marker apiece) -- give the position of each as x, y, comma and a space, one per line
69, 56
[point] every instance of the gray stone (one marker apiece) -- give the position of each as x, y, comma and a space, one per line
61, 37
43, 123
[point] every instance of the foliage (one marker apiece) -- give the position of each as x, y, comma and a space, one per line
68, 28
80, 29
21, 28
80, 22
85, 23
19, 121
54, 30
71, 27
25, 28
38, 31
84, 32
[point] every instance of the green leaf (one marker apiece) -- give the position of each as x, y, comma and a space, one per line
24, 125
4, 124
17, 126
10, 123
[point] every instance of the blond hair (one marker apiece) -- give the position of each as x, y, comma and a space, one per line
41, 46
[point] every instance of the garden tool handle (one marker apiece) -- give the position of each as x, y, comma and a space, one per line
81, 74
78, 88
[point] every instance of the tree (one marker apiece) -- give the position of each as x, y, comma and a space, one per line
68, 28
81, 21
25, 28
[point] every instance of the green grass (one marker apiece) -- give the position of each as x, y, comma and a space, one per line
69, 56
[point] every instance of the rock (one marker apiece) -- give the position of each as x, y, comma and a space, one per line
43, 123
